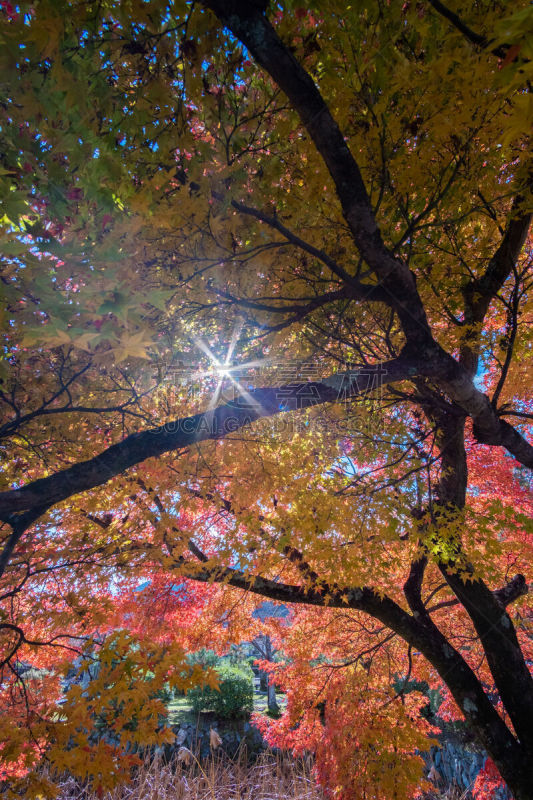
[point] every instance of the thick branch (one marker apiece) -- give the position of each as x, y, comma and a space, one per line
413, 586
259, 403
489, 428
19, 523
424, 637
492, 623
504, 656
517, 587
252, 28
247, 22
184, 432
479, 292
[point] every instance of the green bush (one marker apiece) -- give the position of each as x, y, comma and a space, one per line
207, 658
204, 657
234, 698
165, 695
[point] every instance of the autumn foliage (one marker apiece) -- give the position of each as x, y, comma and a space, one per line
267, 333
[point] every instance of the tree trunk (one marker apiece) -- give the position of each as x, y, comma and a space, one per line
512, 754
272, 703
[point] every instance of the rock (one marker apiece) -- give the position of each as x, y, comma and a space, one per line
181, 736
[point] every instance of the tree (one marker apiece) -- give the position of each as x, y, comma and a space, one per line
272, 193
264, 647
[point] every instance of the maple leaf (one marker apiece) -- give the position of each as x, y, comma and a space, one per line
132, 346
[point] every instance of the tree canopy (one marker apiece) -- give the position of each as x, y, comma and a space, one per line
267, 331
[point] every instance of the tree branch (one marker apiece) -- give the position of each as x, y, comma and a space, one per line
19, 524
479, 292
492, 623
247, 22
426, 638
468, 33
413, 586
184, 432
360, 291
252, 28
517, 587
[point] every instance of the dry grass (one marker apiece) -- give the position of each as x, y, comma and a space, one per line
452, 793
272, 777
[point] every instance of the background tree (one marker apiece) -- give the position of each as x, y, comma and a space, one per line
266, 650
272, 194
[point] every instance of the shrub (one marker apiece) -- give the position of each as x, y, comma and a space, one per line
204, 657
207, 658
234, 697
165, 694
